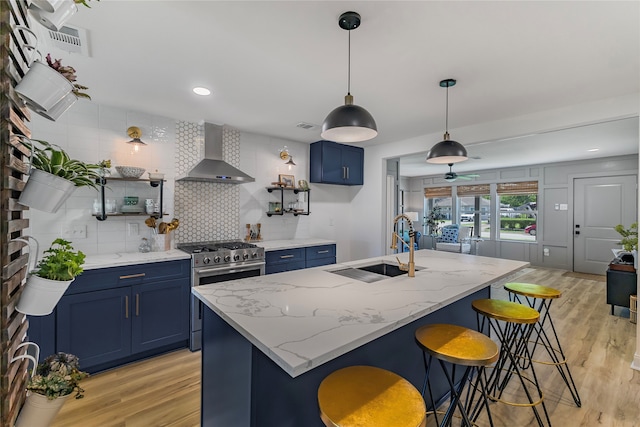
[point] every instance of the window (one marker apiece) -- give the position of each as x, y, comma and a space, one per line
518, 210
437, 204
475, 205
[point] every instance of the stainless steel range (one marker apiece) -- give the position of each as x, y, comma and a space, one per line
214, 262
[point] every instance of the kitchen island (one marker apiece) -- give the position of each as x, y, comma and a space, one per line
268, 341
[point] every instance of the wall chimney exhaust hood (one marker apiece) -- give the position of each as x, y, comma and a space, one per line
212, 168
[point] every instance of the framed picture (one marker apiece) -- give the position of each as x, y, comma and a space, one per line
303, 184
289, 180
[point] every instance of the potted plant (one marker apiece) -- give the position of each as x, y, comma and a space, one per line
434, 219
51, 89
50, 279
55, 380
629, 240
54, 176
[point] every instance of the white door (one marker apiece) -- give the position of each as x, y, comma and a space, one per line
599, 205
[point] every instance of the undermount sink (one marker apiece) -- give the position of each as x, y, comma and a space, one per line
371, 273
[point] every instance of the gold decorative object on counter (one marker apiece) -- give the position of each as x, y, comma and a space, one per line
253, 234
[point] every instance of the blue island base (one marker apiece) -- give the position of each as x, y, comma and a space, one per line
242, 387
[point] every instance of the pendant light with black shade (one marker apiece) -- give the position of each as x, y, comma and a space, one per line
447, 151
349, 122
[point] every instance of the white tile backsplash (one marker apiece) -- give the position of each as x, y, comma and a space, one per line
92, 132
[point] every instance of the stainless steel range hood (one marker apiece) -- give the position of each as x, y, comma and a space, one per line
212, 168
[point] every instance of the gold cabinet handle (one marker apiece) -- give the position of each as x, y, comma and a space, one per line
131, 276
286, 256
126, 306
137, 305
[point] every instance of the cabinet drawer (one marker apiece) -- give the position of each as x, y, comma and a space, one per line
282, 267
285, 256
322, 251
114, 277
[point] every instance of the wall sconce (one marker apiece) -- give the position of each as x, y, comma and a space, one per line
135, 133
284, 155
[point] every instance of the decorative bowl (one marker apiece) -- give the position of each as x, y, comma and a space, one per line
130, 171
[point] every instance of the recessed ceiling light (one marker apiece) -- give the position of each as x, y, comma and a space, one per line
201, 91
593, 149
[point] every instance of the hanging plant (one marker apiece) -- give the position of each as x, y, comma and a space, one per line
68, 73
84, 2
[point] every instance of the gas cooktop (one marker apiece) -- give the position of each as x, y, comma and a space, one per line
222, 253
199, 247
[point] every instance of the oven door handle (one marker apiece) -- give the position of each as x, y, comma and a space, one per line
223, 270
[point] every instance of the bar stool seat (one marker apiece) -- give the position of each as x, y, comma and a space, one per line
366, 396
459, 346
513, 324
540, 298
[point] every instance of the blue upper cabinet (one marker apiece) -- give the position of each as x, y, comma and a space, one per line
333, 163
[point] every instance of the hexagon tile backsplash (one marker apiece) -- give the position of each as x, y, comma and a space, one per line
207, 210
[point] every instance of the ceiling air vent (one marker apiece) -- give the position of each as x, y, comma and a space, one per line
70, 39
306, 126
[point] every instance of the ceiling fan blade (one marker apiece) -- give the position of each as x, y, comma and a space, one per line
467, 177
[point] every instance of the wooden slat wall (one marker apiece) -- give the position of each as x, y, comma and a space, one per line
13, 115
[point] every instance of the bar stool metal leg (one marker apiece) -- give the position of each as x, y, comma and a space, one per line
456, 346
513, 324
540, 298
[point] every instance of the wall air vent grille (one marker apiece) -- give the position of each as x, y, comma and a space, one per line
70, 39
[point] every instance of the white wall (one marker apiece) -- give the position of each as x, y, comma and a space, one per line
372, 192
330, 216
92, 132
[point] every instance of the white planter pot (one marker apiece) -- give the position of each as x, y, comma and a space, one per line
46, 192
55, 20
162, 242
49, 5
40, 296
56, 111
43, 87
38, 411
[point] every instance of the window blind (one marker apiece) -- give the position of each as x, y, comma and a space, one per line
433, 192
525, 187
473, 190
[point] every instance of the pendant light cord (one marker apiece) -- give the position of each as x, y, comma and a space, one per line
349, 66
446, 120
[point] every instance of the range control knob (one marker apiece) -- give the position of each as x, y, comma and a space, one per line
254, 255
227, 258
245, 256
206, 260
216, 259
236, 257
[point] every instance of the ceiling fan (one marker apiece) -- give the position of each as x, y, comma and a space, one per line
452, 176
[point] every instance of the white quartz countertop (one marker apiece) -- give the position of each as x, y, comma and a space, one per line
274, 245
304, 318
130, 258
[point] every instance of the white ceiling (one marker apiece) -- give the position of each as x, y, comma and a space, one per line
272, 64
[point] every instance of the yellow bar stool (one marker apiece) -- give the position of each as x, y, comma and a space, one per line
513, 324
540, 298
457, 345
366, 396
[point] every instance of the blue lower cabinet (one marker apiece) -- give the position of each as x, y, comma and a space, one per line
284, 260
320, 255
95, 326
299, 258
160, 314
144, 312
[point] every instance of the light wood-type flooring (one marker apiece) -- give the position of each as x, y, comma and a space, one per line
165, 390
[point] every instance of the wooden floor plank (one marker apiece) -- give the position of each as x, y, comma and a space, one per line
165, 390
